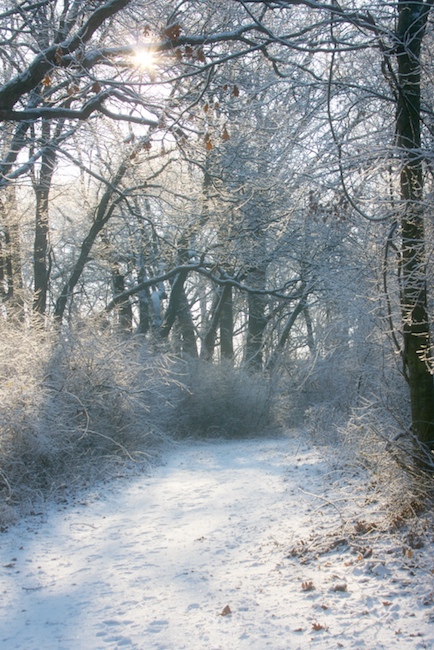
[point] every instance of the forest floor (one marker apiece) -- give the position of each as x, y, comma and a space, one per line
266, 543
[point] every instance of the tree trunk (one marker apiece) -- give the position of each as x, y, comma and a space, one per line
274, 358
11, 287
417, 345
221, 315
124, 308
104, 212
40, 251
227, 325
257, 321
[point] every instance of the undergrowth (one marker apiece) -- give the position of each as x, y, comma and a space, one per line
76, 404
71, 404
221, 401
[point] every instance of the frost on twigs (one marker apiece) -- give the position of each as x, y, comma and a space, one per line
73, 406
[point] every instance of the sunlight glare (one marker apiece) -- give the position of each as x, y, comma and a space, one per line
144, 58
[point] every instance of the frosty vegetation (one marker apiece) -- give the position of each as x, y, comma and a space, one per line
231, 236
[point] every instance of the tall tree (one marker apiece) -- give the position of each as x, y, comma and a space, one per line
412, 22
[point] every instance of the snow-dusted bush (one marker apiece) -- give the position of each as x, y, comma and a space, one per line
377, 435
222, 401
71, 402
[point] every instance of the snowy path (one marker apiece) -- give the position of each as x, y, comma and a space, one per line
151, 562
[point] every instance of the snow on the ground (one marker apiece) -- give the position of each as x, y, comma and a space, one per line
228, 545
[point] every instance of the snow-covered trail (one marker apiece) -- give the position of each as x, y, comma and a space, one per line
152, 562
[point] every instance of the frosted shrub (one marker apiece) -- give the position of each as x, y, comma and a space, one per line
222, 401
71, 403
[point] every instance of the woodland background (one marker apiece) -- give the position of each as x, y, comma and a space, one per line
216, 217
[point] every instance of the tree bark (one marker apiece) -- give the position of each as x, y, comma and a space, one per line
417, 344
124, 308
227, 325
257, 321
40, 250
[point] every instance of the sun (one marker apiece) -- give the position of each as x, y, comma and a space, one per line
144, 58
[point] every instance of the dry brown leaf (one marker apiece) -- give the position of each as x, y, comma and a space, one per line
225, 134
73, 89
200, 56
173, 32
226, 611
307, 586
317, 627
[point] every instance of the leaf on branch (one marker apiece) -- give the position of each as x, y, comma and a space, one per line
208, 143
73, 89
216, 105
173, 32
188, 51
178, 53
200, 56
46, 81
96, 87
225, 134
205, 108
236, 91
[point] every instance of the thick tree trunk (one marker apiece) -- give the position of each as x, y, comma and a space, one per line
40, 252
417, 344
178, 308
124, 308
221, 315
257, 321
227, 325
11, 278
209, 340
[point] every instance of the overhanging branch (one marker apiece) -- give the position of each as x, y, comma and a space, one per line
205, 271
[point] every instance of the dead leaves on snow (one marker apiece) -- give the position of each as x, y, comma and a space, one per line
226, 611
318, 627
